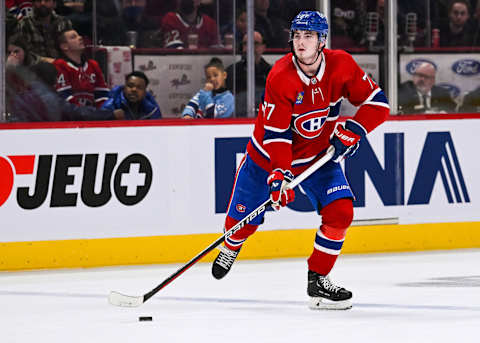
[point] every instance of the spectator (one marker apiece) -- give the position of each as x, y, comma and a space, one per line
177, 26
421, 95
274, 29
18, 54
214, 100
108, 16
348, 23
471, 102
458, 30
42, 29
237, 75
80, 80
133, 99
38, 100
240, 26
134, 18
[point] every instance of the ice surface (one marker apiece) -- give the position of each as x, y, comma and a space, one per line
409, 297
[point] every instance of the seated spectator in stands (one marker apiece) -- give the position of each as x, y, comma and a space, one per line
18, 54
347, 23
458, 29
238, 72
133, 99
80, 80
178, 26
42, 29
214, 100
240, 26
421, 95
471, 102
135, 19
37, 99
275, 30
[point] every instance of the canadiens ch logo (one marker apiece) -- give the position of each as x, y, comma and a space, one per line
241, 208
309, 125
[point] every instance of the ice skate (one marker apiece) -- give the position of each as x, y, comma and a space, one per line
324, 295
224, 261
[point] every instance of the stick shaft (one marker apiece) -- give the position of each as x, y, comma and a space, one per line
260, 209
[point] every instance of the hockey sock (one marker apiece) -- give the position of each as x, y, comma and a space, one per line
336, 218
236, 241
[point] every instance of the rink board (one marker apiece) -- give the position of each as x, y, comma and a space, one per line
157, 192
262, 245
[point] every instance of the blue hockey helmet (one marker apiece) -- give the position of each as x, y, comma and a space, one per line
311, 21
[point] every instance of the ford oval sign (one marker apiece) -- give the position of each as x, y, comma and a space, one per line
466, 67
413, 64
454, 90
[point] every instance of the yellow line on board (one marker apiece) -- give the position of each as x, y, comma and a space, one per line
262, 245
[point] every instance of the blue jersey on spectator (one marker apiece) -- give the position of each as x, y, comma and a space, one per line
210, 104
148, 108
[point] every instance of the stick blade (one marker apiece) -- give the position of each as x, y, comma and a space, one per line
122, 300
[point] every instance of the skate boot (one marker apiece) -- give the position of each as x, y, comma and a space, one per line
224, 261
324, 295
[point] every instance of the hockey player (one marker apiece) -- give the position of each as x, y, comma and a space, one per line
80, 80
296, 123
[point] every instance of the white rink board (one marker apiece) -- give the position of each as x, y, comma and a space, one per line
181, 199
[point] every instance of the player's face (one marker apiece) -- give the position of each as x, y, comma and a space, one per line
74, 41
216, 77
306, 45
135, 89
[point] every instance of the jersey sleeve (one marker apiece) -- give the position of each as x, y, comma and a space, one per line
192, 106
277, 114
363, 92
101, 89
64, 83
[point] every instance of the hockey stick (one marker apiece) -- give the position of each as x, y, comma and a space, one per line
119, 299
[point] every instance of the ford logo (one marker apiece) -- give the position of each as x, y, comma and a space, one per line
466, 67
452, 89
413, 64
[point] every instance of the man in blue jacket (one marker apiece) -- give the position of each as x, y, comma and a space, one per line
133, 98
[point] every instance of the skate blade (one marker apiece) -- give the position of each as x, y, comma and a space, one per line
325, 304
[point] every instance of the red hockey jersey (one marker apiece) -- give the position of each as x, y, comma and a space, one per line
299, 114
82, 85
176, 31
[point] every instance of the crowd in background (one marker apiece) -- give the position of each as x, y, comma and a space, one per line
42, 34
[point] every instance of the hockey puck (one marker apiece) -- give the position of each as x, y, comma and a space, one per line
145, 319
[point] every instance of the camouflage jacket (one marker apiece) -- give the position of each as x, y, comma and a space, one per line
41, 39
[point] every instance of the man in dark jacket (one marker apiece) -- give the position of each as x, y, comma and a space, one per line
421, 95
471, 102
133, 98
238, 72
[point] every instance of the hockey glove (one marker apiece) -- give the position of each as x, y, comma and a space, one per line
280, 194
346, 140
